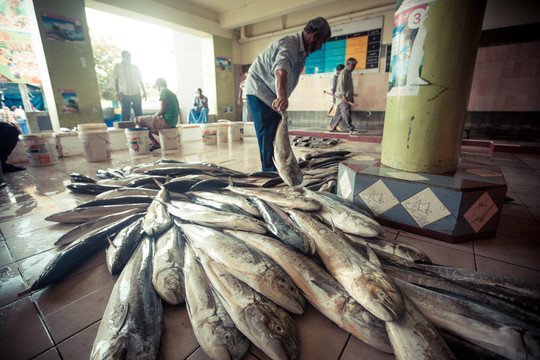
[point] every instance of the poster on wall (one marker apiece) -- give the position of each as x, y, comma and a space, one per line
18, 63
62, 28
70, 101
223, 63
360, 40
408, 48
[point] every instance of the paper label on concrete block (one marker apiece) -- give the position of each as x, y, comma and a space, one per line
378, 198
481, 212
406, 176
425, 208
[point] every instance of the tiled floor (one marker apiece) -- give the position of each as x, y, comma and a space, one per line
60, 322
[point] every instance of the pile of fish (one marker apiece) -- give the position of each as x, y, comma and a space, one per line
314, 142
243, 255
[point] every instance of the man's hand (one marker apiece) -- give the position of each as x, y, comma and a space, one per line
344, 99
280, 104
144, 96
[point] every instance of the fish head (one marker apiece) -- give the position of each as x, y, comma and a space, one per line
223, 342
414, 255
170, 285
277, 282
383, 298
275, 330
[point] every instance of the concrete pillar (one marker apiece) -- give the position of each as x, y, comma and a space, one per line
434, 48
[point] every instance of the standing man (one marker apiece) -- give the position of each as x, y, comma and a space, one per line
333, 85
273, 76
345, 90
165, 117
242, 100
199, 113
127, 79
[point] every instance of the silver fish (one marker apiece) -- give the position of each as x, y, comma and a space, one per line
287, 199
393, 247
236, 200
133, 319
415, 338
322, 291
80, 215
122, 247
248, 265
168, 276
362, 276
284, 158
202, 215
157, 218
213, 327
267, 325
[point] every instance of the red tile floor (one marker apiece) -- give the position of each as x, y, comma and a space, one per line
60, 322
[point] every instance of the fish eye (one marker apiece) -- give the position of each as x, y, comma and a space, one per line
227, 337
380, 293
279, 328
292, 288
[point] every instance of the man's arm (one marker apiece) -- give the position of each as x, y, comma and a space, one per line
117, 88
162, 108
142, 88
281, 102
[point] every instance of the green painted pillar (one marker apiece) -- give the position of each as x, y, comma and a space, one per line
434, 48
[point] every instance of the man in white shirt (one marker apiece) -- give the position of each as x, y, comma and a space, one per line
127, 79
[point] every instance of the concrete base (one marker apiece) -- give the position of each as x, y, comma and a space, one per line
454, 207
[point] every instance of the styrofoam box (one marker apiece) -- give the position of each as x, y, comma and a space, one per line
68, 144
249, 129
190, 132
117, 138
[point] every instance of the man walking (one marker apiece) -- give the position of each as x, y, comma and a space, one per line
345, 94
273, 76
127, 79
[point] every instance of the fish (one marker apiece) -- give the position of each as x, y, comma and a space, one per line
383, 246
233, 199
217, 205
148, 182
284, 159
248, 265
481, 325
202, 215
133, 319
336, 214
157, 218
268, 326
168, 263
127, 191
331, 154
322, 290
122, 246
74, 255
90, 188
415, 338
124, 200
80, 215
214, 329
91, 226
361, 275
81, 178
279, 224
293, 199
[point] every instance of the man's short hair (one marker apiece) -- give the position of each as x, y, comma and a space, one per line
320, 25
125, 52
161, 82
340, 67
352, 60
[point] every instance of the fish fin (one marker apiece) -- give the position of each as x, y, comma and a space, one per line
353, 264
326, 287
158, 183
110, 242
121, 319
373, 258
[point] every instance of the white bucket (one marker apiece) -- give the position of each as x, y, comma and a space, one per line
95, 140
40, 149
68, 144
138, 141
169, 138
209, 134
236, 131
117, 137
223, 131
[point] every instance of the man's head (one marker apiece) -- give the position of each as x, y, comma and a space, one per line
316, 33
198, 91
161, 83
351, 64
126, 57
339, 68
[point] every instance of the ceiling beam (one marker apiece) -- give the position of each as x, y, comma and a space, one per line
260, 10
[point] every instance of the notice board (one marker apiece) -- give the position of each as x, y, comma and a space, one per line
360, 40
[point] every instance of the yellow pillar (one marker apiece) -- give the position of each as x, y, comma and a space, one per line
434, 48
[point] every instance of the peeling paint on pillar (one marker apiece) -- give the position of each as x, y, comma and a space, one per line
434, 49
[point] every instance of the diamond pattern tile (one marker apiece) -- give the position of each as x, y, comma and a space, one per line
425, 208
481, 211
378, 198
345, 184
